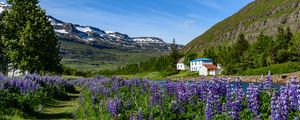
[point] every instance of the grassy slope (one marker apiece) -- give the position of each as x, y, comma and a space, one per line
257, 9
85, 57
283, 68
160, 76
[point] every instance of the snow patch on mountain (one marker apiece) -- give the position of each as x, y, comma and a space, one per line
84, 29
107, 32
142, 40
61, 31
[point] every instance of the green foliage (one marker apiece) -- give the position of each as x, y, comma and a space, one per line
264, 52
166, 64
88, 58
275, 69
29, 39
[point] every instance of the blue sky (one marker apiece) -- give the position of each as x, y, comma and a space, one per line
180, 19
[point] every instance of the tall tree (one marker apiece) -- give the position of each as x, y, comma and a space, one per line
174, 55
241, 45
282, 42
29, 39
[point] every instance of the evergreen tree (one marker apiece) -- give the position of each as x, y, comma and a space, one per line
174, 55
283, 39
241, 45
189, 57
29, 39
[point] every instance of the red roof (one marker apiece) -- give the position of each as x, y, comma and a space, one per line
210, 66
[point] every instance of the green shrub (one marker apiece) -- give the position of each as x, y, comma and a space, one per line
274, 69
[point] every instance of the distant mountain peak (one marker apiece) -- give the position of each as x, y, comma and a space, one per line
96, 36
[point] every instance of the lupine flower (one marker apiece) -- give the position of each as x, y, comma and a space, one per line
253, 98
141, 115
209, 107
156, 95
113, 106
269, 83
274, 107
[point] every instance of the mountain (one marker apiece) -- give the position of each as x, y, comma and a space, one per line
89, 48
259, 16
106, 39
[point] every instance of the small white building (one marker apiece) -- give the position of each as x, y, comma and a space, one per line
181, 65
196, 64
208, 69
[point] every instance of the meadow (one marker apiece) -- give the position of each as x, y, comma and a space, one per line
136, 99
115, 98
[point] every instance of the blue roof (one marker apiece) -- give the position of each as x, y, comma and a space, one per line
202, 59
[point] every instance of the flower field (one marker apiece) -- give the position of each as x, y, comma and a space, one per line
29, 94
115, 98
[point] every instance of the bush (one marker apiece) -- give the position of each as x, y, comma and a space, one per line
274, 69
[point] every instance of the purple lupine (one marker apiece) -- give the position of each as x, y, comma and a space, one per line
2, 87
2, 77
209, 107
284, 103
141, 115
268, 83
253, 98
182, 92
156, 95
229, 99
132, 117
298, 98
113, 106
237, 103
292, 87
275, 106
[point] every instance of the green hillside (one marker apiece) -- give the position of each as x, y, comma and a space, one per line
85, 57
258, 16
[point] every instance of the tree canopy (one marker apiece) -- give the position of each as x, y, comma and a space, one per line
29, 39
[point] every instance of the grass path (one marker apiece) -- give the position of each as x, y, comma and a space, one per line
60, 109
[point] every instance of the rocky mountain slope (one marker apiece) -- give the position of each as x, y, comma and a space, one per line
106, 39
259, 16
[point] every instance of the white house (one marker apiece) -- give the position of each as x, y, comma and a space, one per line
208, 69
7, 69
197, 63
12, 72
181, 65
205, 67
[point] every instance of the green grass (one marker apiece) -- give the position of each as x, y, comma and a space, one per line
148, 75
86, 58
70, 77
275, 69
183, 74
60, 109
161, 75
13, 114
54, 110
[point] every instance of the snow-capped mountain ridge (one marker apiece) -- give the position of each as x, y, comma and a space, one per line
95, 35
